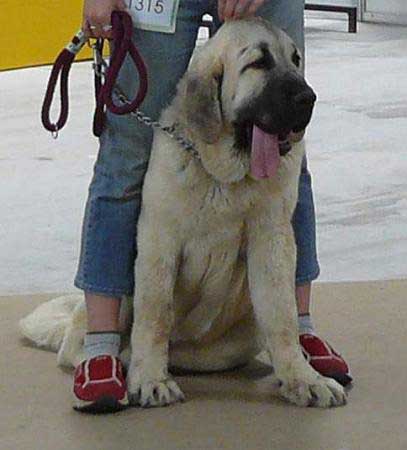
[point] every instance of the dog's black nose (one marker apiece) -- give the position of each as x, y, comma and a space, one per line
297, 91
305, 98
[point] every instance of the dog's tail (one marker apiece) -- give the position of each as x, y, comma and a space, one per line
46, 325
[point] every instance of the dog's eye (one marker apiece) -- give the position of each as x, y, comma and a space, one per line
264, 63
259, 64
296, 58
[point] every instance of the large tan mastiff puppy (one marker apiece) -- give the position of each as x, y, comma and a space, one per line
216, 254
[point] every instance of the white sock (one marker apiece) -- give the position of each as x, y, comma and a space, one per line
102, 343
305, 324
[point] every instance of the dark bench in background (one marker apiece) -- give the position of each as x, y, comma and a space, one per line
351, 11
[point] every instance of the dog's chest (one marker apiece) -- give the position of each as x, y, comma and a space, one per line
211, 256
211, 279
215, 243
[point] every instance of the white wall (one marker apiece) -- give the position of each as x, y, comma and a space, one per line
392, 11
334, 2
387, 6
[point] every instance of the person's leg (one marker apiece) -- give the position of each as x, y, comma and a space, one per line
102, 313
305, 236
108, 247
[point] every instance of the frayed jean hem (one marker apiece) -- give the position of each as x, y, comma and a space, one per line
306, 279
99, 290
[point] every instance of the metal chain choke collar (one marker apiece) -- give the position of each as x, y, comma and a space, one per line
99, 67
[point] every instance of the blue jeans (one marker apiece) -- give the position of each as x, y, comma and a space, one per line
108, 247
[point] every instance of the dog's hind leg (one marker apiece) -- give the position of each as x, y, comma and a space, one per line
71, 352
235, 348
46, 325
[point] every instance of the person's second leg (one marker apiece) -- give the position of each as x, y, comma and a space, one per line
289, 16
318, 352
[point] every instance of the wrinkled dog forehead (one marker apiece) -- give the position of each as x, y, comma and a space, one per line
248, 36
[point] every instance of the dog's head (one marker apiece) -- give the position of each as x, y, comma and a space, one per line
250, 73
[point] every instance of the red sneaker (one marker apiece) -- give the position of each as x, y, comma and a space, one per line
324, 359
99, 385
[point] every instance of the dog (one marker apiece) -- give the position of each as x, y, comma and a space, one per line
215, 271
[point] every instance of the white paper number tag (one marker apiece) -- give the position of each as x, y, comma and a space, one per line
154, 15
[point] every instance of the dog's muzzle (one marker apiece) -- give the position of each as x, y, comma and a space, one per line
284, 107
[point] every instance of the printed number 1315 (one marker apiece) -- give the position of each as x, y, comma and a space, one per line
156, 6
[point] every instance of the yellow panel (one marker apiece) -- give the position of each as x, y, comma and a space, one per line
33, 32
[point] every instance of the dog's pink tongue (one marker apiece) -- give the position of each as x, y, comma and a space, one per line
265, 157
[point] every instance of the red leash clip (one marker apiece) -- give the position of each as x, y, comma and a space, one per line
122, 28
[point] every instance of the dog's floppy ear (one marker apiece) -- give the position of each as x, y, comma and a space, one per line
203, 91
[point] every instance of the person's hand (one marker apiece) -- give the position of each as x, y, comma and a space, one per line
237, 9
96, 17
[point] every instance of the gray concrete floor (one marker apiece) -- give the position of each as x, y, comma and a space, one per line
224, 411
356, 146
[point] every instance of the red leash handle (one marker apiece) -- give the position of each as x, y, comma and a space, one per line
122, 38
122, 28
122, 25
62, 66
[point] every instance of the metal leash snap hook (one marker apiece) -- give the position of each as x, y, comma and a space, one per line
99, 63
54, 133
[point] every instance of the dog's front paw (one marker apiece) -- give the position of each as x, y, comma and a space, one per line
308, 388
154, 393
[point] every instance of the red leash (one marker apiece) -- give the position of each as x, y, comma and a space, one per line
62, 66
122, 28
